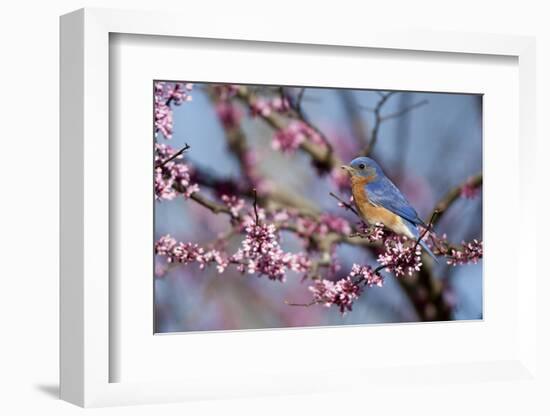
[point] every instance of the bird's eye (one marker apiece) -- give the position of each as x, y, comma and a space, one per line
361, 166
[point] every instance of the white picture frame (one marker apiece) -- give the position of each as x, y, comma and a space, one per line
86, 356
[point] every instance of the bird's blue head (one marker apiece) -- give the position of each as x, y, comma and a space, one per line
365, 167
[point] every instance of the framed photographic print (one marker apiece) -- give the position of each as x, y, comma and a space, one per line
227, 198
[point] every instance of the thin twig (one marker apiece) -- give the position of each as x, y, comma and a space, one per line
346, 205
426, 229
379, 118
377, 122
175, 155
404, 110
305, 305
210, 204
256, 206
299, 99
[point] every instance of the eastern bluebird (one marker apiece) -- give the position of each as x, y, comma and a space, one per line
379, 201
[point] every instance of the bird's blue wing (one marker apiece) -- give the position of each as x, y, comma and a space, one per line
382, 192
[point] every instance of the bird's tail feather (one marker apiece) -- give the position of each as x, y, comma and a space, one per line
416, 233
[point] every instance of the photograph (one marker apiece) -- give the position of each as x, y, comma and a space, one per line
288, 206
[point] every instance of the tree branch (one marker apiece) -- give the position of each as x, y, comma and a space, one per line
443, 205
379, 119
213, 206
377, 122
404, 111
321, 155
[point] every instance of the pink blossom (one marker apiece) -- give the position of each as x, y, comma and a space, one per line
260, 107
308, 227
264, 107
289, 138
399, 257
226, 91
470, 252
371, 233
217, 257
324, 292
166, 93
260, 253
345, 291
366, 274
335, 223
280, 105
341, 293
234, 204
229, 114
163, 119
186, 253
335, 265
171, 178
178, 92
177, 252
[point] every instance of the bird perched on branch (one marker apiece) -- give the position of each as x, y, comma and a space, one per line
379, 201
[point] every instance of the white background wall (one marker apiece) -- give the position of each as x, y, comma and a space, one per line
29, 208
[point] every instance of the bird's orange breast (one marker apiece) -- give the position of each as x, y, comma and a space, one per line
370, 212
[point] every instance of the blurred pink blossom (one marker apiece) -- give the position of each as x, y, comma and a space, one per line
326, 223
289, 138
234, 204
264, 107
226, 91
229, 114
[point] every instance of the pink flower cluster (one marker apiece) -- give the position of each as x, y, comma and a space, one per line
234, 204
261, 253
171, 178
371, 233
186, 253
470, 252
401, 256
289, 138
367, 275
167, 93
344, 292
341, 293
264, 107
326, 223
226, 91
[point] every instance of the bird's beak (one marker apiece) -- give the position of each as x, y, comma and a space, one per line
347, 168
